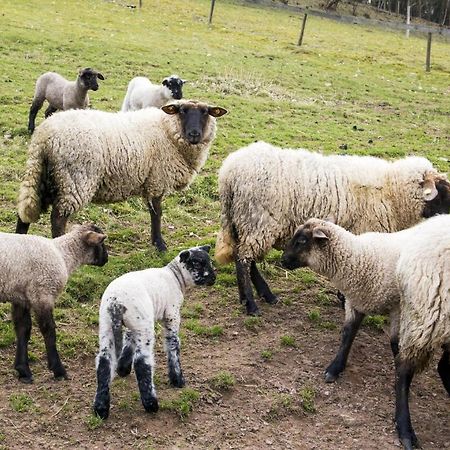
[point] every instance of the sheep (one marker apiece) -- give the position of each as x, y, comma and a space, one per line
33, 272
62, 94
423, 276
266, 192
137, 300
142, 93
367, 269
80, 156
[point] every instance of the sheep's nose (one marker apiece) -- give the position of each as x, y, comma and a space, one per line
194, 133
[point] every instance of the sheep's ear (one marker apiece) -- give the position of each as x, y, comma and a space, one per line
165, 82
429, 189
92, 238
319, 234
331, 219
184, 81
171, 109
184, 256
216, 111
100, 76
205, 248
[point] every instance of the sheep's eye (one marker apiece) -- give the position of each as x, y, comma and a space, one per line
302, 240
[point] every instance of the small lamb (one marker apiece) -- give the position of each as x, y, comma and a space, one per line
142, 93
137, 300
62, 94
33, 272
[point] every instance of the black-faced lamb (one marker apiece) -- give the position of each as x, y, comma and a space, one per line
33, 272
62, 94
266, 192
82, 156
137, 300
142, 93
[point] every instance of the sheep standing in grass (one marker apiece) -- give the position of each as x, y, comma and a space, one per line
137, 300
142, 93
33, 272
423, 274
267, 192
62, 94
83, 156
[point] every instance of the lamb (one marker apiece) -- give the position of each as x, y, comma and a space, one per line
80, 156
423, 275
376, 270
266, 192
33, 272
137, 300
62, 94
142, 93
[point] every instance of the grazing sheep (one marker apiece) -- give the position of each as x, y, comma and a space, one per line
142, 93
423, 274
137, 300
33, 272
266, 192
62, 94
76, 157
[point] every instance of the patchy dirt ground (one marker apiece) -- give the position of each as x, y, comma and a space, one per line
270, 405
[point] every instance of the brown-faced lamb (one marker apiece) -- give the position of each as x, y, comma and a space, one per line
266, 192
62, 94
82, 156
33, 272
137, 300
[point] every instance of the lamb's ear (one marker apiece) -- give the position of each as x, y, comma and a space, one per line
184, 256
331, 219
171, 109
184, 81
319, 234
92, 238
165, 82
216, 111
100, 76
205, 248
429, 190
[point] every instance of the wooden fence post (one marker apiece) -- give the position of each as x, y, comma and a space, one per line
211, 12
300, 39
427, 63
140, 3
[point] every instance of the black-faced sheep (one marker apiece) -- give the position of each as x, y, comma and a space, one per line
137, 300
82, 156
267, 192
62, 94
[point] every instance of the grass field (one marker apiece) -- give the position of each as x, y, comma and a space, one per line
348, 89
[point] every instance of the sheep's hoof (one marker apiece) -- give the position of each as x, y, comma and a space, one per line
254, 312
270, 299
330, 377
160, 245
26, 380
410, 444
61, 377
151, 404
177, 382
102, 411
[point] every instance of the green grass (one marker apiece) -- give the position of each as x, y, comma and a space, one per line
307, 396
93, 422
21, 402
376, 321
182, 404
223, 381
287, 341
267, 354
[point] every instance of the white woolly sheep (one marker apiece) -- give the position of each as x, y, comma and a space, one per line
62, 94
266, 192
364, 268
423, 274
142, 93
137, 300
80, 156
33, 272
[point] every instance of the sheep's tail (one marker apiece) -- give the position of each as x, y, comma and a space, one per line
225, 241
30, 195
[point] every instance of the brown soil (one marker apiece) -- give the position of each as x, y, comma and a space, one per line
263, 410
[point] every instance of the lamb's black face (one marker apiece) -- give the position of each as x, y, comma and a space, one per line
95, 238
198, 264
175, 85
89, 78
441, 203
294, 255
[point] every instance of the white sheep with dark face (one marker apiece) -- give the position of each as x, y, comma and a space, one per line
137, 300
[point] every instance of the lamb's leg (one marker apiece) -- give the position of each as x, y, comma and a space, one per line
444, 367
22, 227
395, 329
49, 111
44, 317
22, 325
35, 107
58, 223
172, 347
126, 357
261, 286
245, 287
404, 376
144, 368
352, 323
154, 206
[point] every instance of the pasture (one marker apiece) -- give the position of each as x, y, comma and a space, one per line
252, 383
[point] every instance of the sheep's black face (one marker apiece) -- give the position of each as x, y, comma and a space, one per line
296, 251
198, 263
89, 78
441, 203
175, 85
94, 239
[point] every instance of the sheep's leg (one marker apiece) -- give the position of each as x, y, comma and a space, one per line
395, 330
245, 287
58, 223
261, 286
352, 323
404, 376
44, 317
126, 356
172, 346
144, 368
444, 368
22, 227
22, 325
154, 206
35, 107
50, 110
